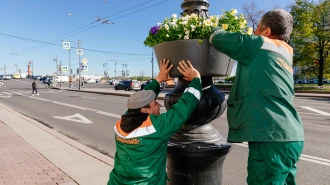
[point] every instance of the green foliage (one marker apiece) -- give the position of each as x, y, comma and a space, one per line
230, 79
311, 37
195, 27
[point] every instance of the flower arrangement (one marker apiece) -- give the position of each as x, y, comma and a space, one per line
195, 27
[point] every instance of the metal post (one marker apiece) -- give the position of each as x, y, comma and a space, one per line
70, 70
79, 64
32, 67
61, 73
115, 68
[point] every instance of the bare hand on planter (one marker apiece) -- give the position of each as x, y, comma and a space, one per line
188, 71
164, 70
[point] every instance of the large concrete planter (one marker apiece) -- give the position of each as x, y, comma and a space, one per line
207, 60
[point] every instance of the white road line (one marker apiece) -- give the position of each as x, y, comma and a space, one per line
303, 157
308, 113
89, 97
109, 114
317, 111
7, 93
78, 107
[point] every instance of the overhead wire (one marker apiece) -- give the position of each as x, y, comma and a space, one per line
38, 46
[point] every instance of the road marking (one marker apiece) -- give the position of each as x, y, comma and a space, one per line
76, 118
109, 114
303, 157
89, 97
317, 111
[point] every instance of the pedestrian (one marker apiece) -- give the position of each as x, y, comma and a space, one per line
260, 104
82, 82
70, 83
142, 133
48, 83
34, 88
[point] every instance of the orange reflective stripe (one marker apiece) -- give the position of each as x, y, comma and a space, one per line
279, 43
146, 123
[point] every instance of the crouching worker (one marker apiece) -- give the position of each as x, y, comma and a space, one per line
142, 133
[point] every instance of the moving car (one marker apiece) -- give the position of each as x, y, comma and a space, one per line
90, 81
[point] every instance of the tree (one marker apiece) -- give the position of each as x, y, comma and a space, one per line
252, 14
310, 38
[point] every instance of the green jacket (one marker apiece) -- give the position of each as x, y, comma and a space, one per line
141, 154
260, 103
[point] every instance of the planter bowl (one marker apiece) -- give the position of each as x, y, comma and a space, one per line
203, 56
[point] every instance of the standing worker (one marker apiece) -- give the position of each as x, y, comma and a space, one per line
34, 88
260, 104
142, 133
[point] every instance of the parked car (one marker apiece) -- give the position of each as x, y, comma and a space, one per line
7, 77
45, 80
90, 81
97, 81
114, 82
136, 85
124, 85
148, 82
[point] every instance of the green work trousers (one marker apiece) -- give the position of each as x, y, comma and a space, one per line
273, 163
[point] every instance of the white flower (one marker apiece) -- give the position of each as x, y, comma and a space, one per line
233, 11
159, 24
167, 27
192, 27
174, 16
167, 35
186, 37
180, 36
187, 32
185, 18
242, 24
207, 22
193, 15
184, 22
250, 30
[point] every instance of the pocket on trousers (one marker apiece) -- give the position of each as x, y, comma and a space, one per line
236, 114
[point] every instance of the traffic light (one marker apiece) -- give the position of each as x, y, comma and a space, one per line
77, 71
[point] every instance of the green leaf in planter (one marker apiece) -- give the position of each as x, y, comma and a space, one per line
200, 41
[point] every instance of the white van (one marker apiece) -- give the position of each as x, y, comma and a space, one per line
64, 79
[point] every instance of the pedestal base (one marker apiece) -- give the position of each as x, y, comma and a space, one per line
196, 167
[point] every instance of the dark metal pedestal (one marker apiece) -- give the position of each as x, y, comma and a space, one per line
196, 167
195, 154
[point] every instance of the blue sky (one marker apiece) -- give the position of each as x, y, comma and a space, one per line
33, 30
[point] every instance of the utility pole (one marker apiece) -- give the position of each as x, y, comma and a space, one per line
16, 67
4, 69
126, 71
152, 64
61, 73
123, 72
32, 67
115, 68
80, 64
106, 69
68, 47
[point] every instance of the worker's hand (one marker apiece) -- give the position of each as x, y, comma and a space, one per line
188, 71
164, 70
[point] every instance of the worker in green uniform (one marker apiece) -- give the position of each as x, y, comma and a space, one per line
260, 104
142, 134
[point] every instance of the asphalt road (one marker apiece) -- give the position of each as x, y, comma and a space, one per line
89, 118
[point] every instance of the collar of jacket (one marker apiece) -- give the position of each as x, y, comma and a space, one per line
132, 121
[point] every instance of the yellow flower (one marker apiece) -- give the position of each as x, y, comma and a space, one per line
225, 26
233, 11
249, 32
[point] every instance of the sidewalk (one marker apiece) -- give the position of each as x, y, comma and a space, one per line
31, 153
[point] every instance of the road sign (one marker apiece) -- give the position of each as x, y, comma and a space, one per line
84, 68
65, 68
80, 51
84, 61
66, 45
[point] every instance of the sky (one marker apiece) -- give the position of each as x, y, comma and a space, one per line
33, 30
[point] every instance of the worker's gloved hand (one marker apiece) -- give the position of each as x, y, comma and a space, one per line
188, 71
164, 70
